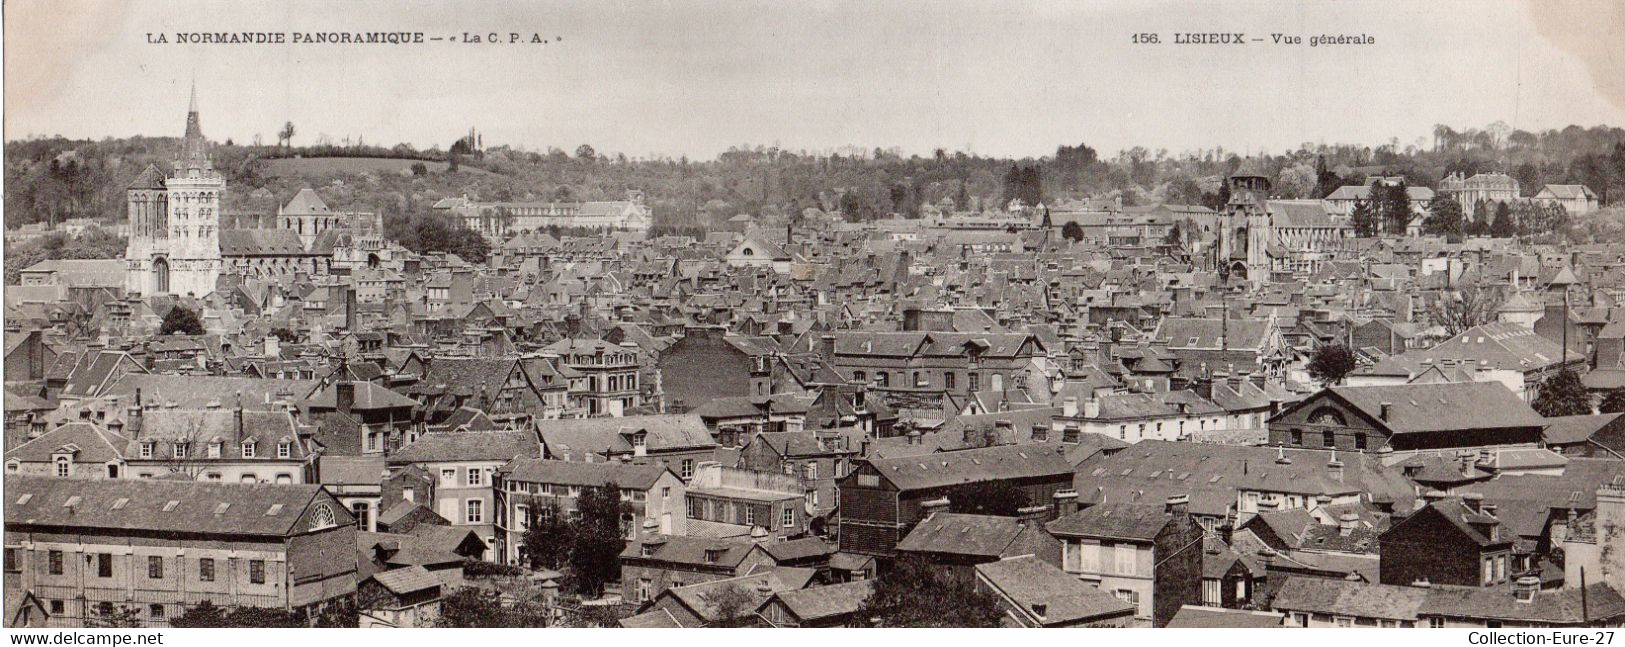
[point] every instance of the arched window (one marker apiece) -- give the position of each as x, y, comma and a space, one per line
64, 466
160, 276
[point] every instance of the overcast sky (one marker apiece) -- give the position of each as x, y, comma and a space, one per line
676, 78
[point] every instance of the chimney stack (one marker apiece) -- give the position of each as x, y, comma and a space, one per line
1386, 408
1178, 504
1525, 588
1033, 515
1069, 407
1347, 522
934, 506
1091, 407
826, 347
344, 394
1066, 502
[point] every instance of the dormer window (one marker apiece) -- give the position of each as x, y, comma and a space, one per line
214, 449
284, 449
249, 450
64, 466
182, 449
147, 448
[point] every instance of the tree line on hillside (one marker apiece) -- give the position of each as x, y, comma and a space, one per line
52, 179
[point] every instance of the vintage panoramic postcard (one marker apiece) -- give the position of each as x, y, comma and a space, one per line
888, 313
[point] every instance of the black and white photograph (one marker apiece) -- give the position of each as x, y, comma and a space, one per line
676, 314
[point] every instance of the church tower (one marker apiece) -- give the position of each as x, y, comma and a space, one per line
1247, 214
174, 245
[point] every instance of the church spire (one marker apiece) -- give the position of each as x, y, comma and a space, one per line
194, 148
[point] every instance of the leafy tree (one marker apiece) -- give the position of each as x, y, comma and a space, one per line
1504, 226
1614, 402
1025, 183
476, 607
285, 335
1364, 219
1393, 202
999, 498
585, 152
548, 539
286, 135
1297, 181
181, 320
1480, 225
1072, 231
420, 169
122, 618
1563, 395
1331, 363
426, 233
209, 615
597, 538
1444, 218
733, 604
1174, 239
914, 593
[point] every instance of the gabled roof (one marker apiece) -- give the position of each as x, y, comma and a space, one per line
1032, 584
635, 476
1433, 407
962, 534
160, 505
449, 446
820, 602
972, 466
1132, 521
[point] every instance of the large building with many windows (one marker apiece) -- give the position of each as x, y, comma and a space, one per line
148, 550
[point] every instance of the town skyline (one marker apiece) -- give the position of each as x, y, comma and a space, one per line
1016, 84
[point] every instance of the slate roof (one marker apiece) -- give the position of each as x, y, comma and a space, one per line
613, 435
1346, 598
260, 242
1027, 581
972, 466
407, 579
194, 391
962, 534
1195, 617
91, 442
1566, 430
1502, 345
449, 446
821, 602
367, 396
1131, 521
163, 505
1443, 406
627, 475
1152, 470
1561, 606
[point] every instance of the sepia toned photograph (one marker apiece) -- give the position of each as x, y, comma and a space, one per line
679, 314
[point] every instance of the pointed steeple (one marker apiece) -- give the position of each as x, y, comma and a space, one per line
194, 148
